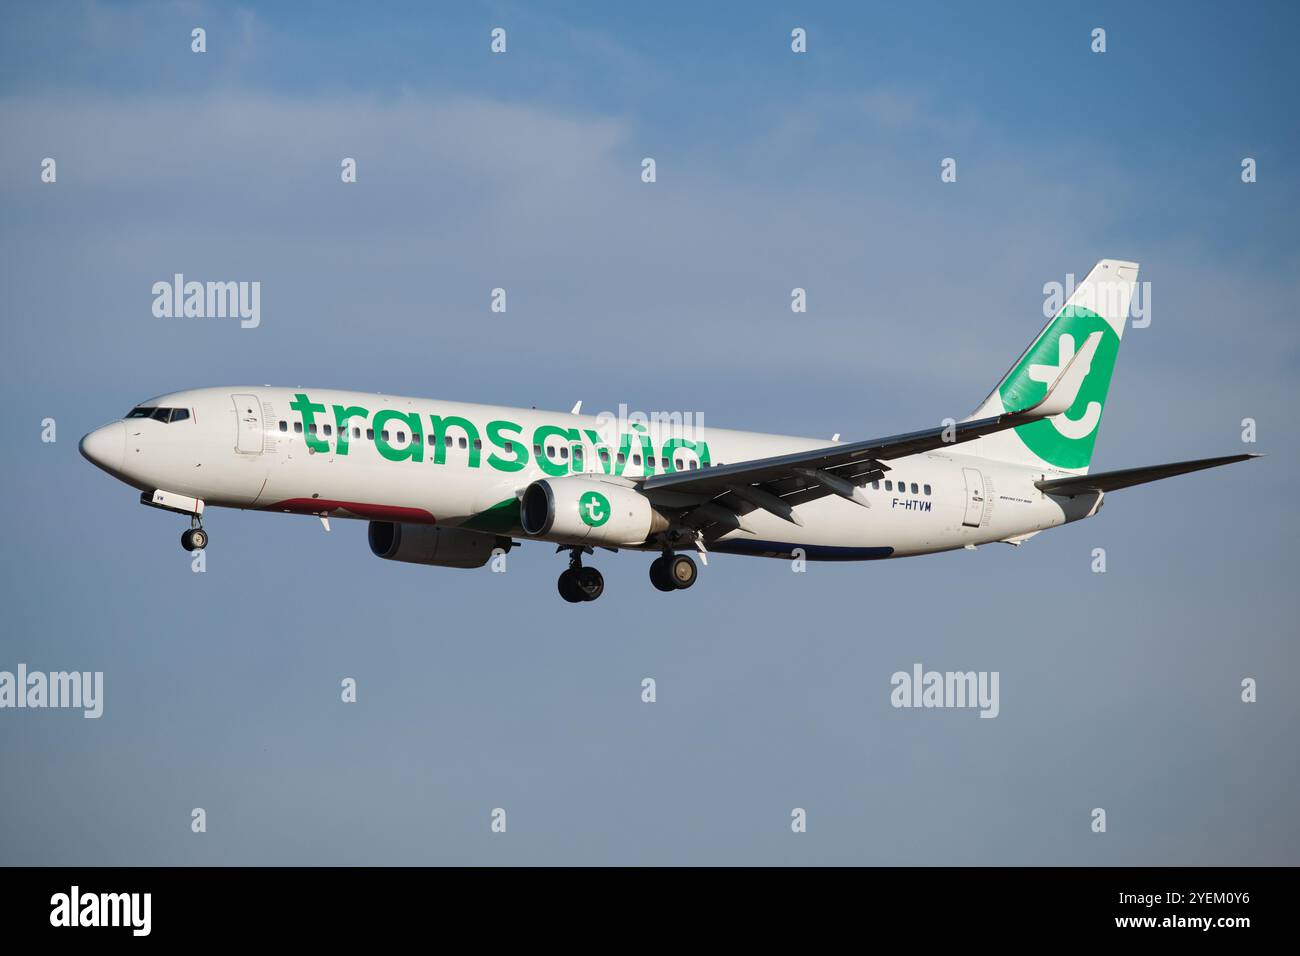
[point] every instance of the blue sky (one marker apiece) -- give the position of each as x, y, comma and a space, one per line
774, 170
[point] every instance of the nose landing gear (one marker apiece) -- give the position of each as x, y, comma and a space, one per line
195, 539
673, 572
578, 584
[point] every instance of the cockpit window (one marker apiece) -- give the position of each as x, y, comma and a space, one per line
163, 415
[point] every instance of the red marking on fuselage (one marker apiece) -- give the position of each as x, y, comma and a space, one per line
316, 506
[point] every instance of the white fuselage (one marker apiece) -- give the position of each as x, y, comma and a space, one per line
254, 448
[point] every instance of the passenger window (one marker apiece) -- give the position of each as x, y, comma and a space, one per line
370, 434
694, 465
297, 428
636, 460
604, 455
478, 444
401, 436
622, 458
927, 489
914, 487
564, 453
663, 463
875, 485
509, 448
537, 451
356, 432
312, 428
680, 464
180, 414
384, 434
889, 485
462, 442
284, 426
446, 441
328, 429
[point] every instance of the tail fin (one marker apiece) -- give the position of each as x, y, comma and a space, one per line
1098, 308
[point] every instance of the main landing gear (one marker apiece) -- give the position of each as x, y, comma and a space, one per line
578, 584
195, 539
670, 572
673, 572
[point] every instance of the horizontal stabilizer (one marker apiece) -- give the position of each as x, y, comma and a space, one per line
1127, 477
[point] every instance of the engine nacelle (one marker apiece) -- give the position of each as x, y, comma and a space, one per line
430, 544
592, 512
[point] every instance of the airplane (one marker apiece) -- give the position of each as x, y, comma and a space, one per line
454, 484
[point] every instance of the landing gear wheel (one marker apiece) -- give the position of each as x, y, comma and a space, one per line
682, 572
579, 583
195, 539
659, 575
591, 583
569, 587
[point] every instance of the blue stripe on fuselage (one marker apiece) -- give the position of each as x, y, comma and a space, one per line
813, 552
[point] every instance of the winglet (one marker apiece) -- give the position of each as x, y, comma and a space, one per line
1065, 389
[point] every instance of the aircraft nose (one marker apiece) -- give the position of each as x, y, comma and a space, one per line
106, 447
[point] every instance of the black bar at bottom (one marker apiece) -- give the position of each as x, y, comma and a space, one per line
207, 905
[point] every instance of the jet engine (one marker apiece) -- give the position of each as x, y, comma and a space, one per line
431, 544
587, 511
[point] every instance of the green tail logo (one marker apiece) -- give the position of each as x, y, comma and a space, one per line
1066, 440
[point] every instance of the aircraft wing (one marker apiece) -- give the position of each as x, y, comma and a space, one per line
1127, 477
723, 495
